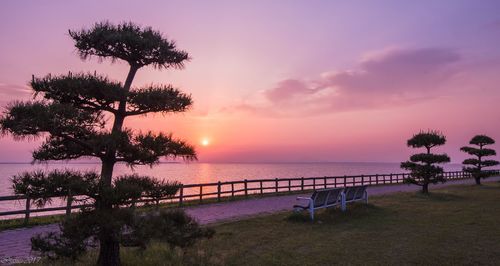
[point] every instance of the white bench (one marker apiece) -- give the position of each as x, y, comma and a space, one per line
320, 199
325, 198
353, 194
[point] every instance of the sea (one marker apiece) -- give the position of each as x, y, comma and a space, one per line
196, 172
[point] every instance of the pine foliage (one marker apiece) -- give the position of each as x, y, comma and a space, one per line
475, 166
423, 167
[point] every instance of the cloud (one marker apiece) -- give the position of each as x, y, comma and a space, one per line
10, 92
392, 77
287, 89
398, 71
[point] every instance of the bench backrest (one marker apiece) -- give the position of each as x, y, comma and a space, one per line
360, 192
326, 196
354, 193
334, 195
320, 198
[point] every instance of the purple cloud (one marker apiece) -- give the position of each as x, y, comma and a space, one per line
398, 71
391, 78
287, 89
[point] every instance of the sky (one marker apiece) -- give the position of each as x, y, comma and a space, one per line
285, 81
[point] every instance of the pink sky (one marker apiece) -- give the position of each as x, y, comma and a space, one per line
287, 81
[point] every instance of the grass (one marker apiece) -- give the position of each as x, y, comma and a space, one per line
453, 226
33, 221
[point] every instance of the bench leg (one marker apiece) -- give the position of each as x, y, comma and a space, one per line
343, 203
311, 213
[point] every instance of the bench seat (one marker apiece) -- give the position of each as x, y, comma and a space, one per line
353, 194
322, 198
331, 197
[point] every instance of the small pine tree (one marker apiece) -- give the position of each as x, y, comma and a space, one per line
422, 166
476, 165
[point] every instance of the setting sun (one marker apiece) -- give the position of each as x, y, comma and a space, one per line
205, 142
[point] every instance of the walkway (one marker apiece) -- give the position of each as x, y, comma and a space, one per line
15, 244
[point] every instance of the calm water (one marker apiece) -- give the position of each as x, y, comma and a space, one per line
190, 173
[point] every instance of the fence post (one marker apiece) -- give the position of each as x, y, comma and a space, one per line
362, 180
261, 190
218, 191
181, 194
201, 193
335, 182
27, 214
276, 183
345, 181
289, 185
325, 181
376, 179
68, 205
246, 188
302, 183
314, 183
390, 178
232, 190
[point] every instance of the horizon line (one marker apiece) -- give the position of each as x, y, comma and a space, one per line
218, 162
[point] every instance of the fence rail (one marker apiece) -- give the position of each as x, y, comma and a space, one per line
230, 189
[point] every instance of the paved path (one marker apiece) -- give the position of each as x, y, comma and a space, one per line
235, 210
15, 244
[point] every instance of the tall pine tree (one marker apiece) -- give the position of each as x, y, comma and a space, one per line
475, 166
82, 115
422, 166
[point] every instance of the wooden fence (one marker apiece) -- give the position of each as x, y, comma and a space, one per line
231, 189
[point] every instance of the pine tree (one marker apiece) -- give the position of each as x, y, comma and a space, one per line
82, 115
477, 165
422, 166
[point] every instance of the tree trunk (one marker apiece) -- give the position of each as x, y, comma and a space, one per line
109, 246
107, 173
109, 250
122, 107
479, 171
425, 188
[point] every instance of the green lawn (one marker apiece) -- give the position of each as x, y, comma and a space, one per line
455, 225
